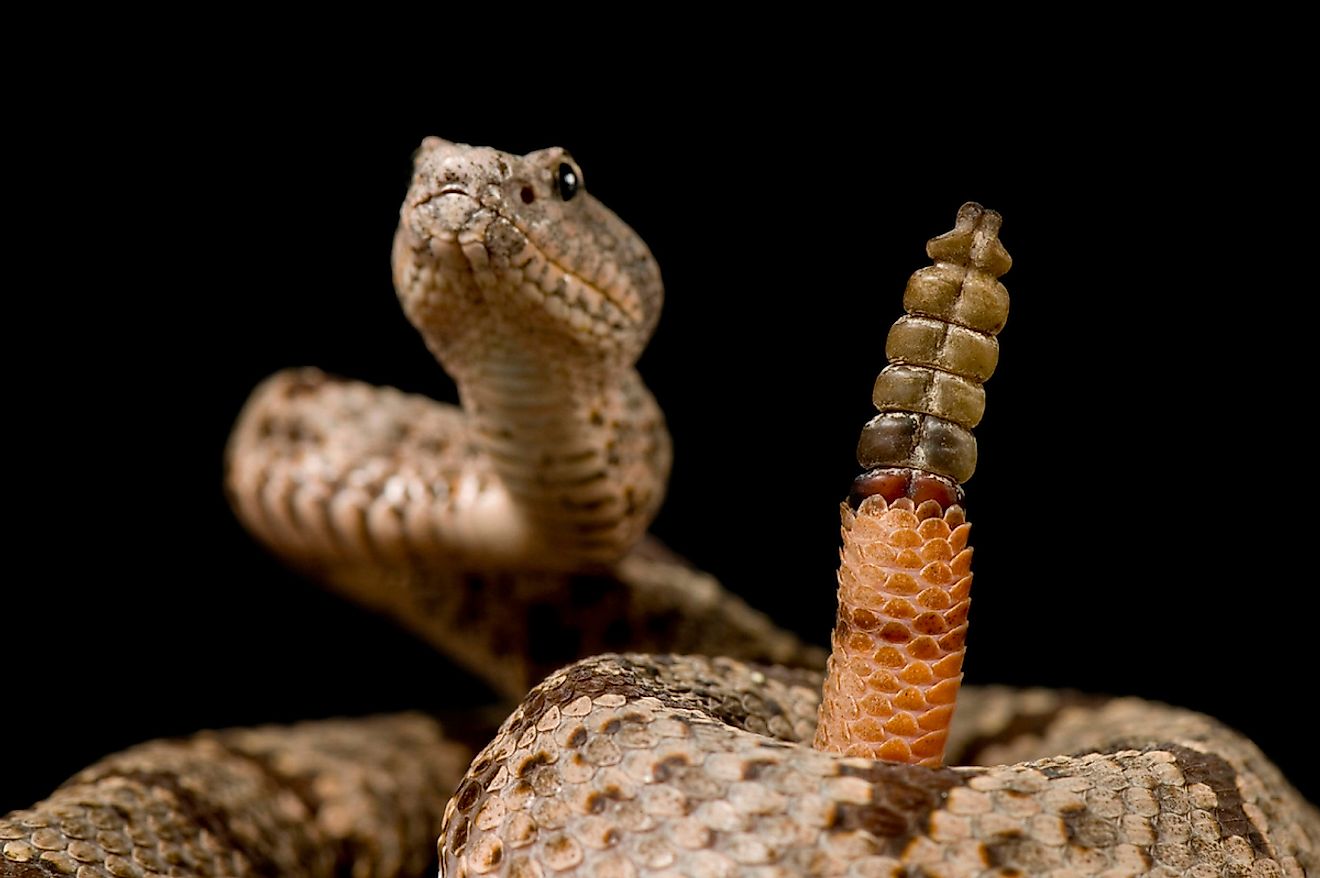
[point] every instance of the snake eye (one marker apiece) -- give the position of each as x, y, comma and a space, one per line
567, 181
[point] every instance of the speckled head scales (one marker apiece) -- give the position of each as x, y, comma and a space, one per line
521, 230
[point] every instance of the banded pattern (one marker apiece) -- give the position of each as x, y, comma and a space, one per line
384, 496
332, 473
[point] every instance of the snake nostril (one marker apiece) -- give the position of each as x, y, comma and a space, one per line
527, 195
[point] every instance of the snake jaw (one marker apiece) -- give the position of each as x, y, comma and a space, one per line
445, 216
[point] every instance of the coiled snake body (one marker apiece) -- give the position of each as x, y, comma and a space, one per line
528, 510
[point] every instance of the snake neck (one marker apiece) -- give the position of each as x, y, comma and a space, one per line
584, 453
538, 300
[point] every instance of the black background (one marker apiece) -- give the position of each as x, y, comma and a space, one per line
1141, 515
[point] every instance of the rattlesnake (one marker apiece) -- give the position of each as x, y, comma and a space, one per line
623, 763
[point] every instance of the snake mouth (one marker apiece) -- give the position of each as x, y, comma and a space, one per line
627, 315
621, 320
443, 215
467, 220
436, 194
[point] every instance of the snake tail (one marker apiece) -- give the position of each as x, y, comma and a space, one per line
905, 568
314, 800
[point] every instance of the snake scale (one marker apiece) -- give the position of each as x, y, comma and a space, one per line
479, 529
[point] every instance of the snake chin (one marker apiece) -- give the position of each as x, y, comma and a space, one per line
446, 217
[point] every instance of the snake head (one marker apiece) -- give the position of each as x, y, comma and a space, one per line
498, 253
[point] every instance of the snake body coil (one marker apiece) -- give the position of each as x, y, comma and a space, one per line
474, 527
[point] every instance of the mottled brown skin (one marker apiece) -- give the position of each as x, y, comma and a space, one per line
506, 533
537, 300
314, 462
687, 765
361, 798
680, 765
619, 764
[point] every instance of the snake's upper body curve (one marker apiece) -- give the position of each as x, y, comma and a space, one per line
538, 300
528, 509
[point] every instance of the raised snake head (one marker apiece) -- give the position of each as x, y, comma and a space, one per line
498, 254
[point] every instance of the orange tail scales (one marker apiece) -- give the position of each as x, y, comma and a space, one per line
904, 586
905, 573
